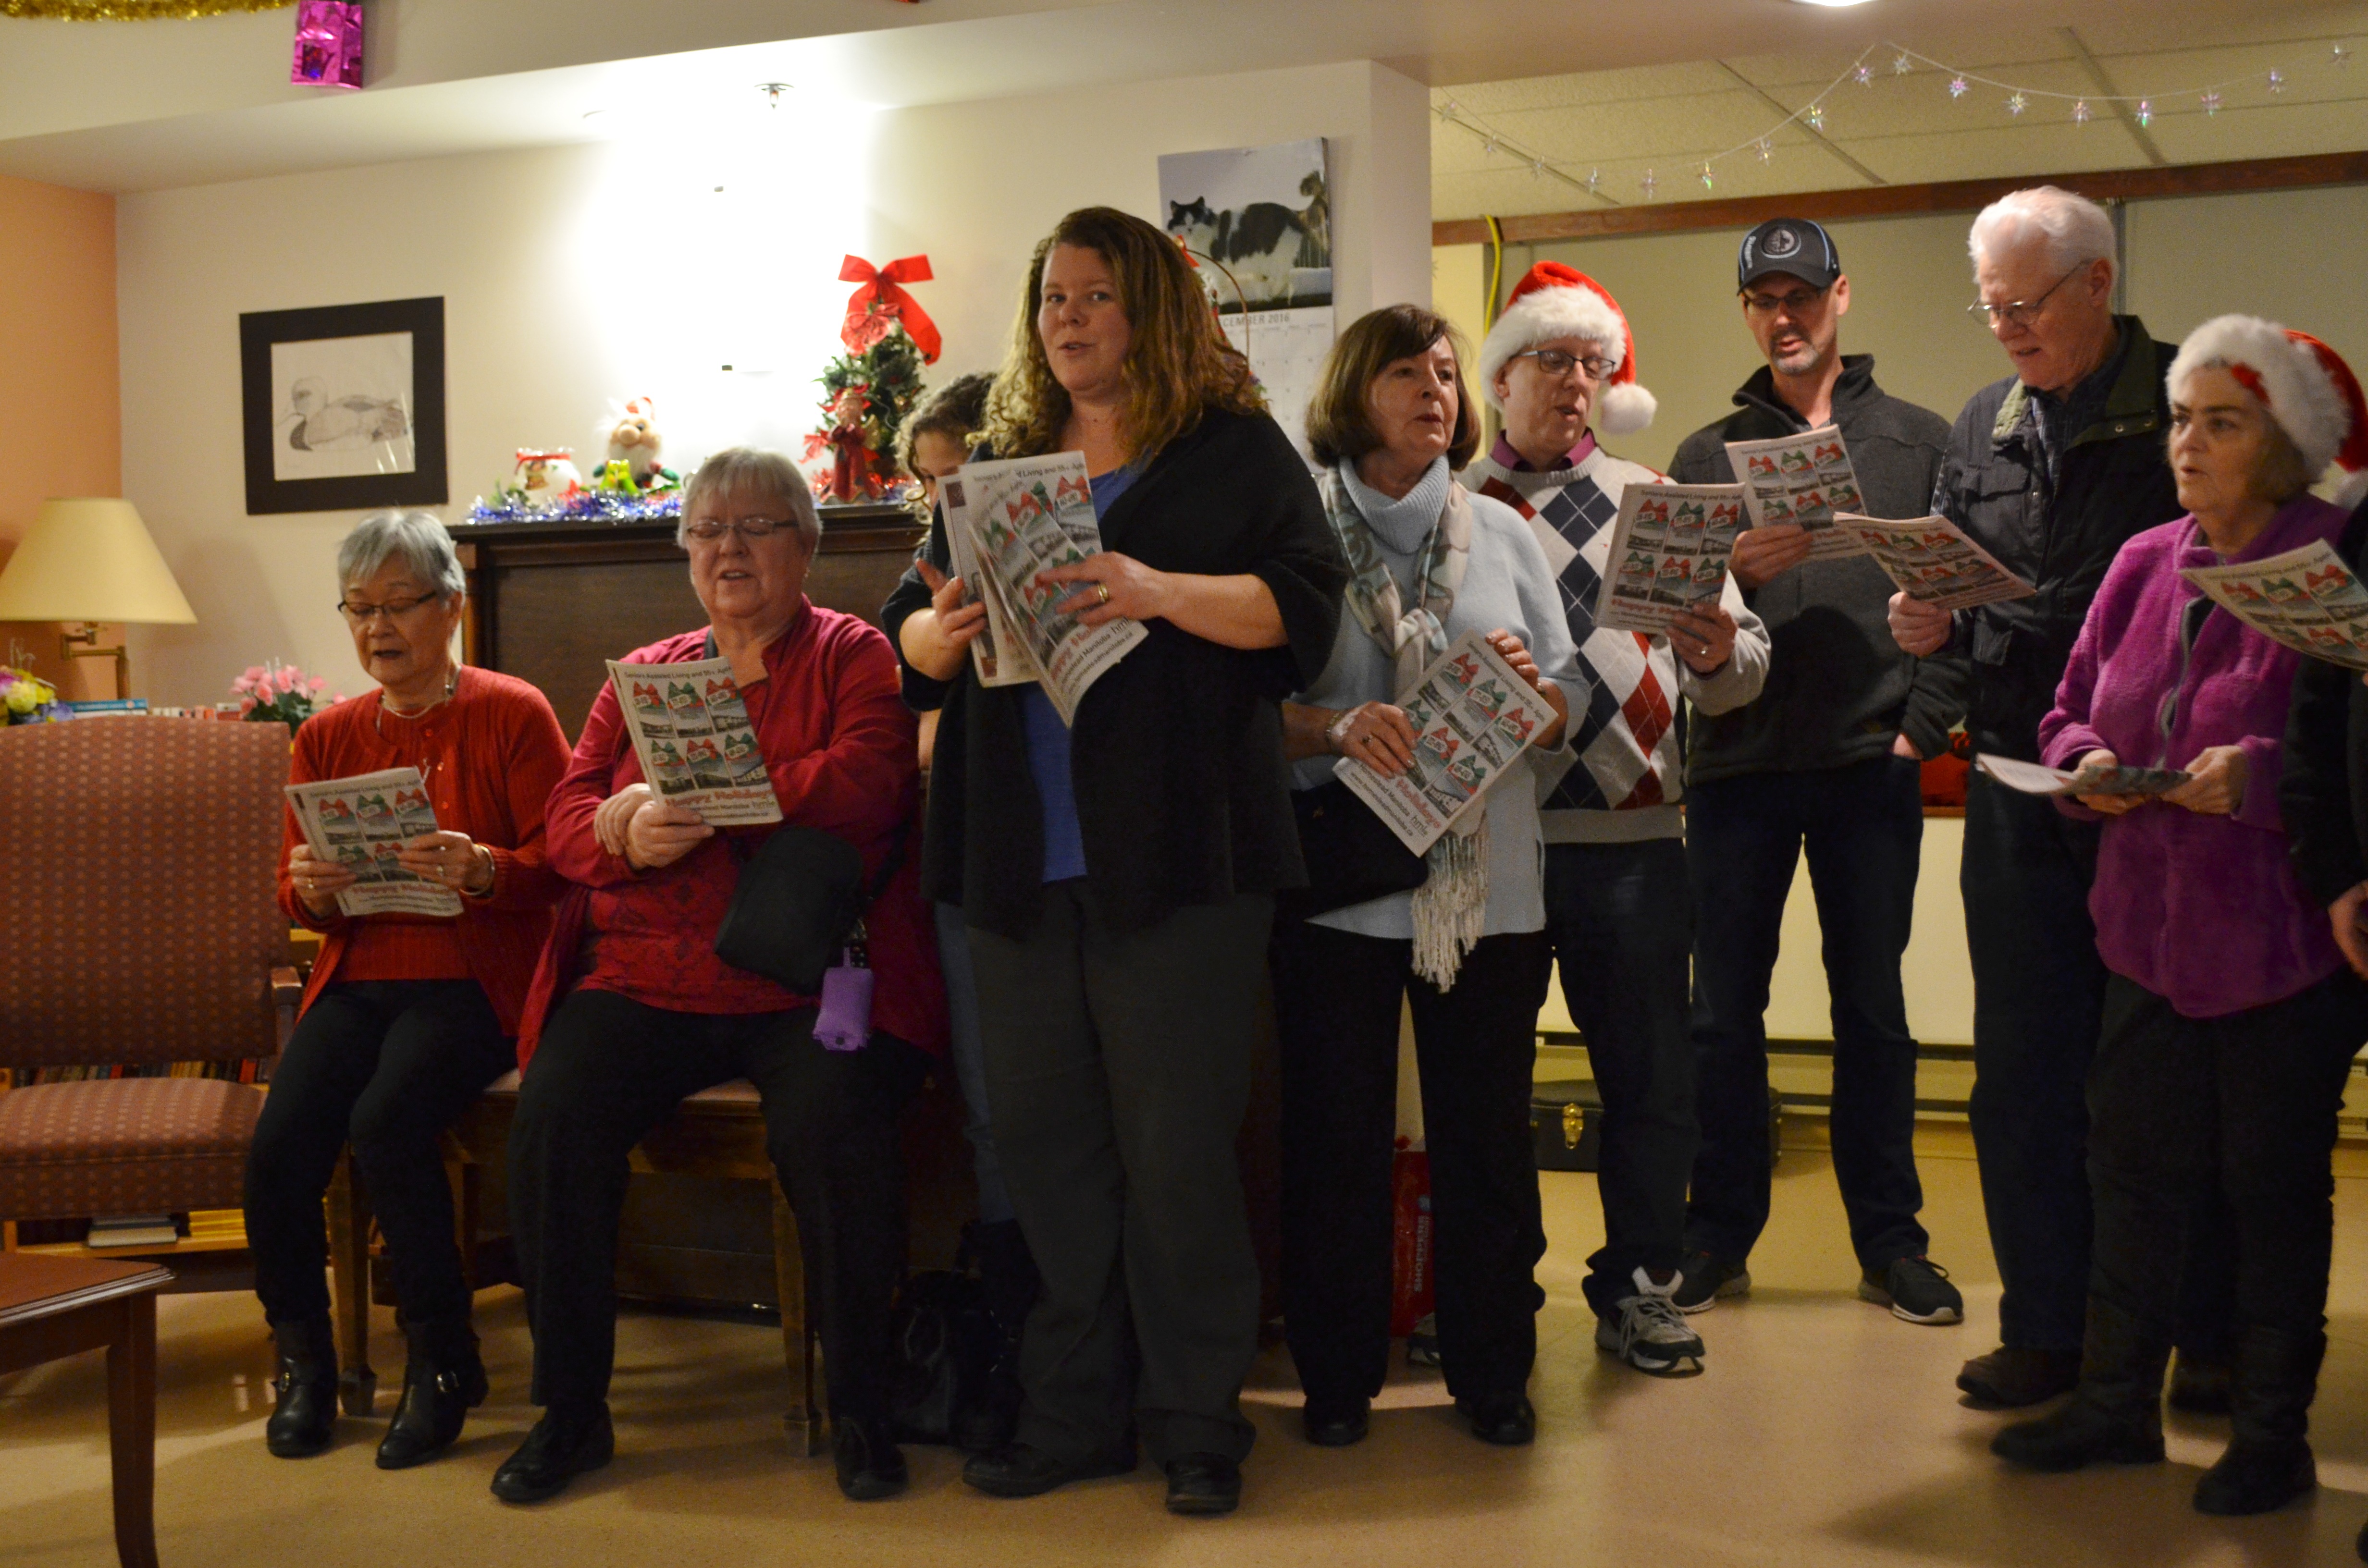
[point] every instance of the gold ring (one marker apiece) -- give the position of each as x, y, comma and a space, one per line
1102, 589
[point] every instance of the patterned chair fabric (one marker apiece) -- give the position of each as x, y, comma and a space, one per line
124, 1146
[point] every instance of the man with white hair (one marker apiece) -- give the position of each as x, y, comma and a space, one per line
2050, 470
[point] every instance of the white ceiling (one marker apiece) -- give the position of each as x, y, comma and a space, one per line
143, 105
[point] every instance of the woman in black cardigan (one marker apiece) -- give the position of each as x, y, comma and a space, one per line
1117, 877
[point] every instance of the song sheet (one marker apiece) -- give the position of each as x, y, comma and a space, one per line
1473, 717
1025, 516
1804, 478
360, 823
2304, 599
1669, 553
1932, 559
690, 730
991, 669
2037, 778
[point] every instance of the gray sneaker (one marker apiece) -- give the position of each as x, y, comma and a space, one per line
1648, 1332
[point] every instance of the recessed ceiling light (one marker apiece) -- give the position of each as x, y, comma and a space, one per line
1835, 5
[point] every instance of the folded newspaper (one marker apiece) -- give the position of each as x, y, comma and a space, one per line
696, 747
1020, 516
1667, 555
1933, 559
2038, 779
1472, 718
1804, 478
360, 823
2305, 599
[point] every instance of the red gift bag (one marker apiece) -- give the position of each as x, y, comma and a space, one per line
1411, 1286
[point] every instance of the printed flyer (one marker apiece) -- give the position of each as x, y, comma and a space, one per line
1669, 553
1804, 478
2304, 599
1473, 717
691, 732
360, 823
1931, 560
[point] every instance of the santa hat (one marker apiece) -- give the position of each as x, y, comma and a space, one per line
2305, 385
1554, 300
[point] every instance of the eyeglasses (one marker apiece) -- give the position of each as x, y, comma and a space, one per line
1556, 363
394, 609
707, 530
2020, 313
1792, 305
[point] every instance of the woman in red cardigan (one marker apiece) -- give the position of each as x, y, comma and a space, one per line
407, 1018
632, 1010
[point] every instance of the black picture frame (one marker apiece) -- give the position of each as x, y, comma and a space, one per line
427, 484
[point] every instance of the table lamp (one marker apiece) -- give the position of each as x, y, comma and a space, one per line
91, 561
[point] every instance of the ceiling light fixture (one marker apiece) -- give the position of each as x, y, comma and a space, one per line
773, 90
1830, 5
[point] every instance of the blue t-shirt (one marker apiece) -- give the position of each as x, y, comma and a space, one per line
1048, 738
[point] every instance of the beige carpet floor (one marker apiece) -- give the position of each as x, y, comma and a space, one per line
1824, 1433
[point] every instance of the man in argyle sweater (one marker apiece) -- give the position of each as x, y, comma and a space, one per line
1618, 906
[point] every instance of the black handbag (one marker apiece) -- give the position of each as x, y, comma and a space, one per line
797, 904
1353, 856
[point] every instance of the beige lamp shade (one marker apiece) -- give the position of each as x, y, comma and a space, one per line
90, 560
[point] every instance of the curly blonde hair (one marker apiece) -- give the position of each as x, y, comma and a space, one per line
1177, 365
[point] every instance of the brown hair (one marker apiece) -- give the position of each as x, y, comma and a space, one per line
1339, 425
1177, 365
954, 411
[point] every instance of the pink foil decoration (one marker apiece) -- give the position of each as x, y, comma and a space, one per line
328, 44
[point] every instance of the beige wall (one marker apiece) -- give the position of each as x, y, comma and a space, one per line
61, 435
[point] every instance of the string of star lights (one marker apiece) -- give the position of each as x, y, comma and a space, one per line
2018, 102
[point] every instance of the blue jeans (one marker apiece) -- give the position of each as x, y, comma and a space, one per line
1863, 827
1622, 920
970, 1062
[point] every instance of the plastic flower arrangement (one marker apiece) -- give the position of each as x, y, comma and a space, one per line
27, 699
278, 693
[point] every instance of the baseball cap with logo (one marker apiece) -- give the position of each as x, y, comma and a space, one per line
1792, 245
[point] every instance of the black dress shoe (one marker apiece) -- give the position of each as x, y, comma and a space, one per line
869, 1463
304, 1414
559, 1448
443, 1380
1507, 1420
1337, 1423
1023, 1470
1203, 1486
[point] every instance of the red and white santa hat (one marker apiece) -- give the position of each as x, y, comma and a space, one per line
1554, 300
2305, 385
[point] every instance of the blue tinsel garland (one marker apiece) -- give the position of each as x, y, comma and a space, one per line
584, 507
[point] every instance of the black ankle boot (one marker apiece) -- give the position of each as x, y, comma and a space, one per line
443, 1380
869, 1463
304, 1415
2267, 1463
2115, 1416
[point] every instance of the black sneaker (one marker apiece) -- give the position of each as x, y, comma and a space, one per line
1704, 1279
1915, 1288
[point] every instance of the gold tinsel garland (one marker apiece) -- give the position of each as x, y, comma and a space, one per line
132, 11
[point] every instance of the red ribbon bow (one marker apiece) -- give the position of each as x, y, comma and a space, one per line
883, 300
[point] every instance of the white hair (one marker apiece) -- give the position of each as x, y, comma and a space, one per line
418, 538
769, 477
2077, 229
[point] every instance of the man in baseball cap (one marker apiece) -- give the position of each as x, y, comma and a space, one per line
1825, 758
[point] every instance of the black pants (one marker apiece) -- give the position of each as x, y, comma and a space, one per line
1622, 919
1119, 1067
1862, 827
387, 1065
608, 1072
2244, 1104
1336, 996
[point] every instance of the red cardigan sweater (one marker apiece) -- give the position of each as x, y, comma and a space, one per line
490, 756
840, 744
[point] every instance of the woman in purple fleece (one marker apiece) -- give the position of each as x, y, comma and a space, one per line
2230, 1017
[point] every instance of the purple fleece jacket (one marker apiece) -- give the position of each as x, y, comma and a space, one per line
2202, 911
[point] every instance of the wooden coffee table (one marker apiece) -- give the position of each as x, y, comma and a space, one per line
55, 1307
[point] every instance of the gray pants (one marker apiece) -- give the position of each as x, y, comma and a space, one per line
1119, 1067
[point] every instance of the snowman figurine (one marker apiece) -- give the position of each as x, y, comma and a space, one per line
545, 476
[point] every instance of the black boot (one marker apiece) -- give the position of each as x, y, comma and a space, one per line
443, 1380
866, 1457
305, 1414
2115, 1416
2267, 1463
1007, 1278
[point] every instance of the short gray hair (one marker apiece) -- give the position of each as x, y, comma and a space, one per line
416, 539
765, 476
2077, 229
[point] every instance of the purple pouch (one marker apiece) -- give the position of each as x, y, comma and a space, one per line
844, 1022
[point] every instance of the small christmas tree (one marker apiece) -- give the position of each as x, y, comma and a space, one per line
868, 389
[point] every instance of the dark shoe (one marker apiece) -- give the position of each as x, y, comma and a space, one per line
304, 1414
1203, 1486
2253, 1478
1915, 1290
1507, 1420
443, 1380
1704, 1279
2360, 1546
1422, 1344
2115, 1416
1337, 1423
559, 1448
1023, 1470
2200, 1385
869, 1463
2013, 1376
